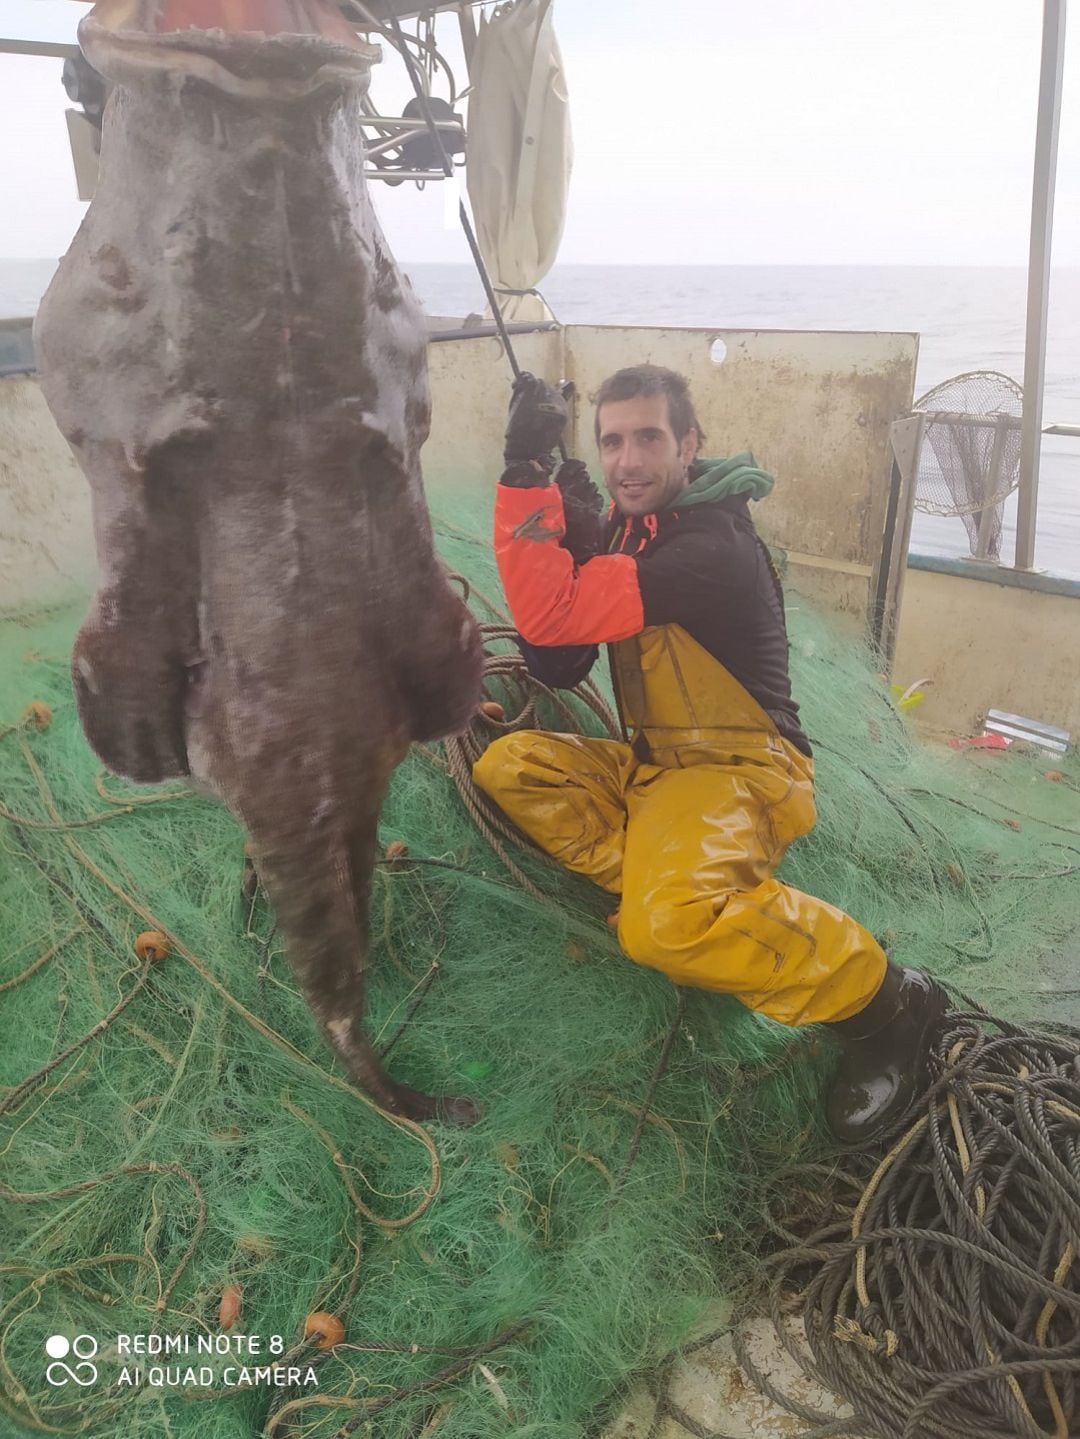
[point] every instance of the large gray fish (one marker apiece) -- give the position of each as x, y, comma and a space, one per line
232, 354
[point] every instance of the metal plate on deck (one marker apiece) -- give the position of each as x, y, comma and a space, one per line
1019, 727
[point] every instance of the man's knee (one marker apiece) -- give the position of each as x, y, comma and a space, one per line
499, 767
663, 935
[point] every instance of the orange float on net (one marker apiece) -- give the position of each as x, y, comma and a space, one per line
232, 1302
257, 1244
325, 1329
37, 713
493, 710
152, 944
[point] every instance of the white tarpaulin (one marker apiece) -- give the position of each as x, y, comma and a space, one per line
519, 150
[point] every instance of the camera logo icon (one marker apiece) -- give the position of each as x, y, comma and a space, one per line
83, 1348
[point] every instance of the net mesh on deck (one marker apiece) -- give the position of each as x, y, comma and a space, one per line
174, 1129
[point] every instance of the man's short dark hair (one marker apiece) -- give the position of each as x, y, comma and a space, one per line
650, 380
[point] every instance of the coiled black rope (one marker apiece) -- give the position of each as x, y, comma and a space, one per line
939, 1285
524, 692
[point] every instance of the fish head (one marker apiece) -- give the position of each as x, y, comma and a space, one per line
260, 49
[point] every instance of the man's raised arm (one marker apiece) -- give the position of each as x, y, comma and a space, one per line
561, 592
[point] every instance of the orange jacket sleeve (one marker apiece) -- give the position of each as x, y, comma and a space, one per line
554, 601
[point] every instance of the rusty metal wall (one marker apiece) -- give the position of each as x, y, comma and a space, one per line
46, 540
470, 390
814, 408
985, 646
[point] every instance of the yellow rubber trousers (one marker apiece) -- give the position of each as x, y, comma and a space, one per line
692, 852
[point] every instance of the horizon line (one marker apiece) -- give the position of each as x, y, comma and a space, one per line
466, 264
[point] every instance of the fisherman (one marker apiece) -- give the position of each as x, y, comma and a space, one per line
688, 822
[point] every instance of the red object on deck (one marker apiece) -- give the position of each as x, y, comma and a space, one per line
981, 741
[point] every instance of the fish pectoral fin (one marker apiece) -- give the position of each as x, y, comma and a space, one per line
442, 671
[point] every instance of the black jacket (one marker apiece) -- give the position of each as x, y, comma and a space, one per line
705, 568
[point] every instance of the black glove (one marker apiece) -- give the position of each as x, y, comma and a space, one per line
578, 491
582, 505
537, 418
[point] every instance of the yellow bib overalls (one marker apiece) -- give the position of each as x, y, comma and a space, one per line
691, 836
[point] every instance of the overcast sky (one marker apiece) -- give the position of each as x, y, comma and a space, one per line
708, 132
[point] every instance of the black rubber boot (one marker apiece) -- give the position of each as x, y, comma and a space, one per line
886, 1049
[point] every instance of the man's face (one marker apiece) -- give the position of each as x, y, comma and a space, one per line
644, 465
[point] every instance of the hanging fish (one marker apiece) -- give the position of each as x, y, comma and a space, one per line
241, 371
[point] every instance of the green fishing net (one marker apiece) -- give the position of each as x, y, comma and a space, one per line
195, 1141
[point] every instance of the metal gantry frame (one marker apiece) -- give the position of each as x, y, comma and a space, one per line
1051, 77
388, 132
55, 48
393, 131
